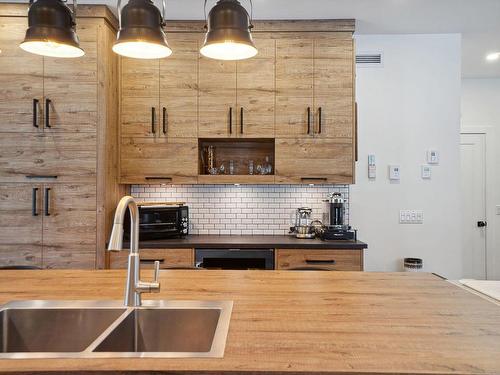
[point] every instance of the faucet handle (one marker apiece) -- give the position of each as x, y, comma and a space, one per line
156, 273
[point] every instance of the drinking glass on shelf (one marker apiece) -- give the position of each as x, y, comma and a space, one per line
231, 166
250, 167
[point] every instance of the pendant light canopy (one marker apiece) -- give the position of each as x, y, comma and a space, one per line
51, 30
141, 34
228, 34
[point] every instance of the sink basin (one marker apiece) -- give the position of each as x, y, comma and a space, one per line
163, 330
106, 329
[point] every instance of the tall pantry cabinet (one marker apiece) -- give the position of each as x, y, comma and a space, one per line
58, 145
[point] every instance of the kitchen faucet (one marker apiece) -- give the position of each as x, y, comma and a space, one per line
134, 287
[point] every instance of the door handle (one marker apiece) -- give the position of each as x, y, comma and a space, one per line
47, 201
241, 120
153, 120
47, 113
34, 210
482, 224
165, 120
35, 113
230, 120
308, 120
319, 119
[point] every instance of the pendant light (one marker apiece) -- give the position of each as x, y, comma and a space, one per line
141, 34
228, 34
51, 30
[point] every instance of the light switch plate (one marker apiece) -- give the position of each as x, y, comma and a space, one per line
411, 217
394, 172
433, 157
372, 167
426, 172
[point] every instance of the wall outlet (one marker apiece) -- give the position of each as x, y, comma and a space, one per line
426, 172
411, 217
394, 172
372, 167
432, 157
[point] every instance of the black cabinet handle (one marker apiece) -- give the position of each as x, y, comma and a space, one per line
35, 113
165, 120
47, 113
153, 120
320, 261
319, 120
308, 120
314, 178
158, 178
33, 202
230, 120
355, 131
41, 176
241, 120
47, 201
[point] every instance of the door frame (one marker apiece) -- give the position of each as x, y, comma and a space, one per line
492, 258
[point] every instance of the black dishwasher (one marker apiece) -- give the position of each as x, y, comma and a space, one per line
235, 259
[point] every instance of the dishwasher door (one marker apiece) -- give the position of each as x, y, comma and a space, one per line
235, 259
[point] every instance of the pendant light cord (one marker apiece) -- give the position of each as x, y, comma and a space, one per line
206, 20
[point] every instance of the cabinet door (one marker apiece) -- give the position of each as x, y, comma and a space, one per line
217, 98
334, 87
331, 259
20, 225
71, 87
21, 80
140, 97
69, 156
69, 225
314, 161
256, 91
163, 160
179, 87
294, 88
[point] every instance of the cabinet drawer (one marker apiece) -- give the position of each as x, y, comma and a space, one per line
338, 260
167, 258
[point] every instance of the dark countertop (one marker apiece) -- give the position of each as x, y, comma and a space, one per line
283, 242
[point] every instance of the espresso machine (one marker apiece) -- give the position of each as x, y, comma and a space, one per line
302, 223
336, 228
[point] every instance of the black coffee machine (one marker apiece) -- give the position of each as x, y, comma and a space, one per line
336, 228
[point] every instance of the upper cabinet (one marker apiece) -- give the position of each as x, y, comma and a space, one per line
297, 94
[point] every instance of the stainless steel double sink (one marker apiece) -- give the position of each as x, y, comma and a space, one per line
107, 329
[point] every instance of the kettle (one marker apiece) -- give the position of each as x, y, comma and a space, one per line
302, 223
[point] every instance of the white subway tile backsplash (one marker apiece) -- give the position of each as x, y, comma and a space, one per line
242, 210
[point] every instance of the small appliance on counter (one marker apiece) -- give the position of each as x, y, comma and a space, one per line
302, 221
160, 220
336, 229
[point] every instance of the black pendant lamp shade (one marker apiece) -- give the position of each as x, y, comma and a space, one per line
141, 32
51, 30
228, 34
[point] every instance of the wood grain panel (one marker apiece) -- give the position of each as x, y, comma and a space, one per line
173, 160
314, 160
256, 90
70, 156
20, 231
21, 80
336, 260
179, 87
217, 94
69, 232
166, 257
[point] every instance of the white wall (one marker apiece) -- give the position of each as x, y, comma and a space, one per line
481, 109
406, 107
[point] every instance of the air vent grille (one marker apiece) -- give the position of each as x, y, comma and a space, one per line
369, 59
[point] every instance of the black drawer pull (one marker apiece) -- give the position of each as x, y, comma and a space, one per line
165, 120
41, 176
33, 202
47, 201
314, 178
319, 120
151, 261
320, 261
308, 120
230, 120
153, 120
35, 113
241, 120
157, 178
47, 113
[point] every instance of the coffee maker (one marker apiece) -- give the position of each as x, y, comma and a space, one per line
336, 228
302, 223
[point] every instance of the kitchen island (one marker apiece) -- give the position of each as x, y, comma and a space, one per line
297, 322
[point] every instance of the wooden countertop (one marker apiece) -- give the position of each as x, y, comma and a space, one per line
282, 242
297, 322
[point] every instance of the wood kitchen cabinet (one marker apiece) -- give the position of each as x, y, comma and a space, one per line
168, 258
58, 142
330, 259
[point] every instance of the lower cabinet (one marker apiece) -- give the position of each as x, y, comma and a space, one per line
168, 258
335, 260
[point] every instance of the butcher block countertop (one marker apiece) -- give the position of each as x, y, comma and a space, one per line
220, 242
297, 322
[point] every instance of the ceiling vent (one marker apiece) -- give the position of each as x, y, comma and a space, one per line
369, 59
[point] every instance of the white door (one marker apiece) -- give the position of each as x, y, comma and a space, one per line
473, 184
